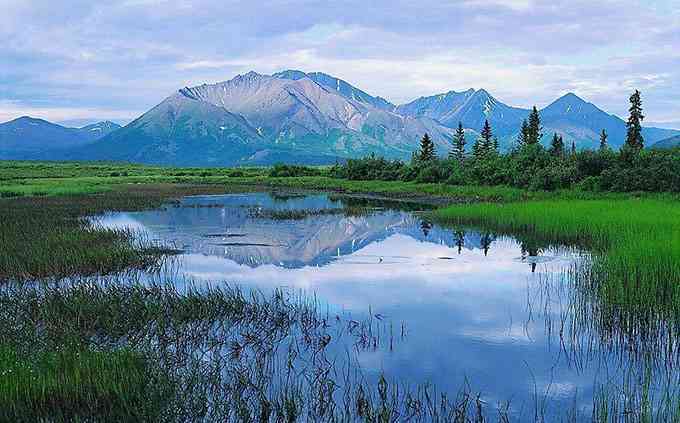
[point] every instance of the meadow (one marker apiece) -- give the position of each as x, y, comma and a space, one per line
122, 350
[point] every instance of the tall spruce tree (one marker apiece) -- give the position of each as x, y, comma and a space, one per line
603, 140
458, 150
484, 144
557, 145
523, 134
634, 140
534, 128
427, 153
573, 149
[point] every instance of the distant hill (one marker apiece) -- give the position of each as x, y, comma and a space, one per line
302, 117
28, 137
668, 143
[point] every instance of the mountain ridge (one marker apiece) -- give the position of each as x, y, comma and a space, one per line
308, 117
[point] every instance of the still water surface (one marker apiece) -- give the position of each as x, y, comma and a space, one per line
461, 305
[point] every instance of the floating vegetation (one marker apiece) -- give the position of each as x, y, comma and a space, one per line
247, 244
224, 235
301, 214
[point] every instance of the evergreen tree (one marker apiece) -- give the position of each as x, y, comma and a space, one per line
603, 140
557, 145
573, 149
458, 151
534, 128
427, 153
523, 134
484, 143
634, 140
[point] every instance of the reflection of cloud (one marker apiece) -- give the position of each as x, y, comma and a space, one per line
411, 268
120, 221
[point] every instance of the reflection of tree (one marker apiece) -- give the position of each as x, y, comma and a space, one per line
530, 249
486, 240
460, 240
425, 226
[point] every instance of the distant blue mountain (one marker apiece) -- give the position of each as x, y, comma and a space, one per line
668, 143
28, 137
471, 108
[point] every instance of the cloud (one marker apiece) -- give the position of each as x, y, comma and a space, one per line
130, 54
11, 110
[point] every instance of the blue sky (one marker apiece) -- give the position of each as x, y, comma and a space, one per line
78, 61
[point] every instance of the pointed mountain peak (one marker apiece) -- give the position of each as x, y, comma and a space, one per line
482, 93
571, 103
570, 98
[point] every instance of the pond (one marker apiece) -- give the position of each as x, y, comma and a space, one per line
455, 307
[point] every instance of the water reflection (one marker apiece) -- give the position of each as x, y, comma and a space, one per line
470, 304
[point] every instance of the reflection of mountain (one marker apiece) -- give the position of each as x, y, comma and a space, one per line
223, 226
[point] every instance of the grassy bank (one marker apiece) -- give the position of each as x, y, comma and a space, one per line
20, 179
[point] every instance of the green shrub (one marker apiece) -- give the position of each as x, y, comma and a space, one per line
290, 171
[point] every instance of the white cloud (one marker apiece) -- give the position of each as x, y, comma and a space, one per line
129, 55
12, 110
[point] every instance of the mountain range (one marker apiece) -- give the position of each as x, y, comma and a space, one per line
293, 116
27, 138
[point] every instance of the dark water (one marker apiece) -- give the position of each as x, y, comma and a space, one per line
457, 304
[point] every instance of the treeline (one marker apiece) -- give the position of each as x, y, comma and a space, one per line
529, 164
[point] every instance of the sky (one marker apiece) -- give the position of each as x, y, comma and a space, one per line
78, 61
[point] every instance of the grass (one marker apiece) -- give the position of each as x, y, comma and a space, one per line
72, 384
18, 179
